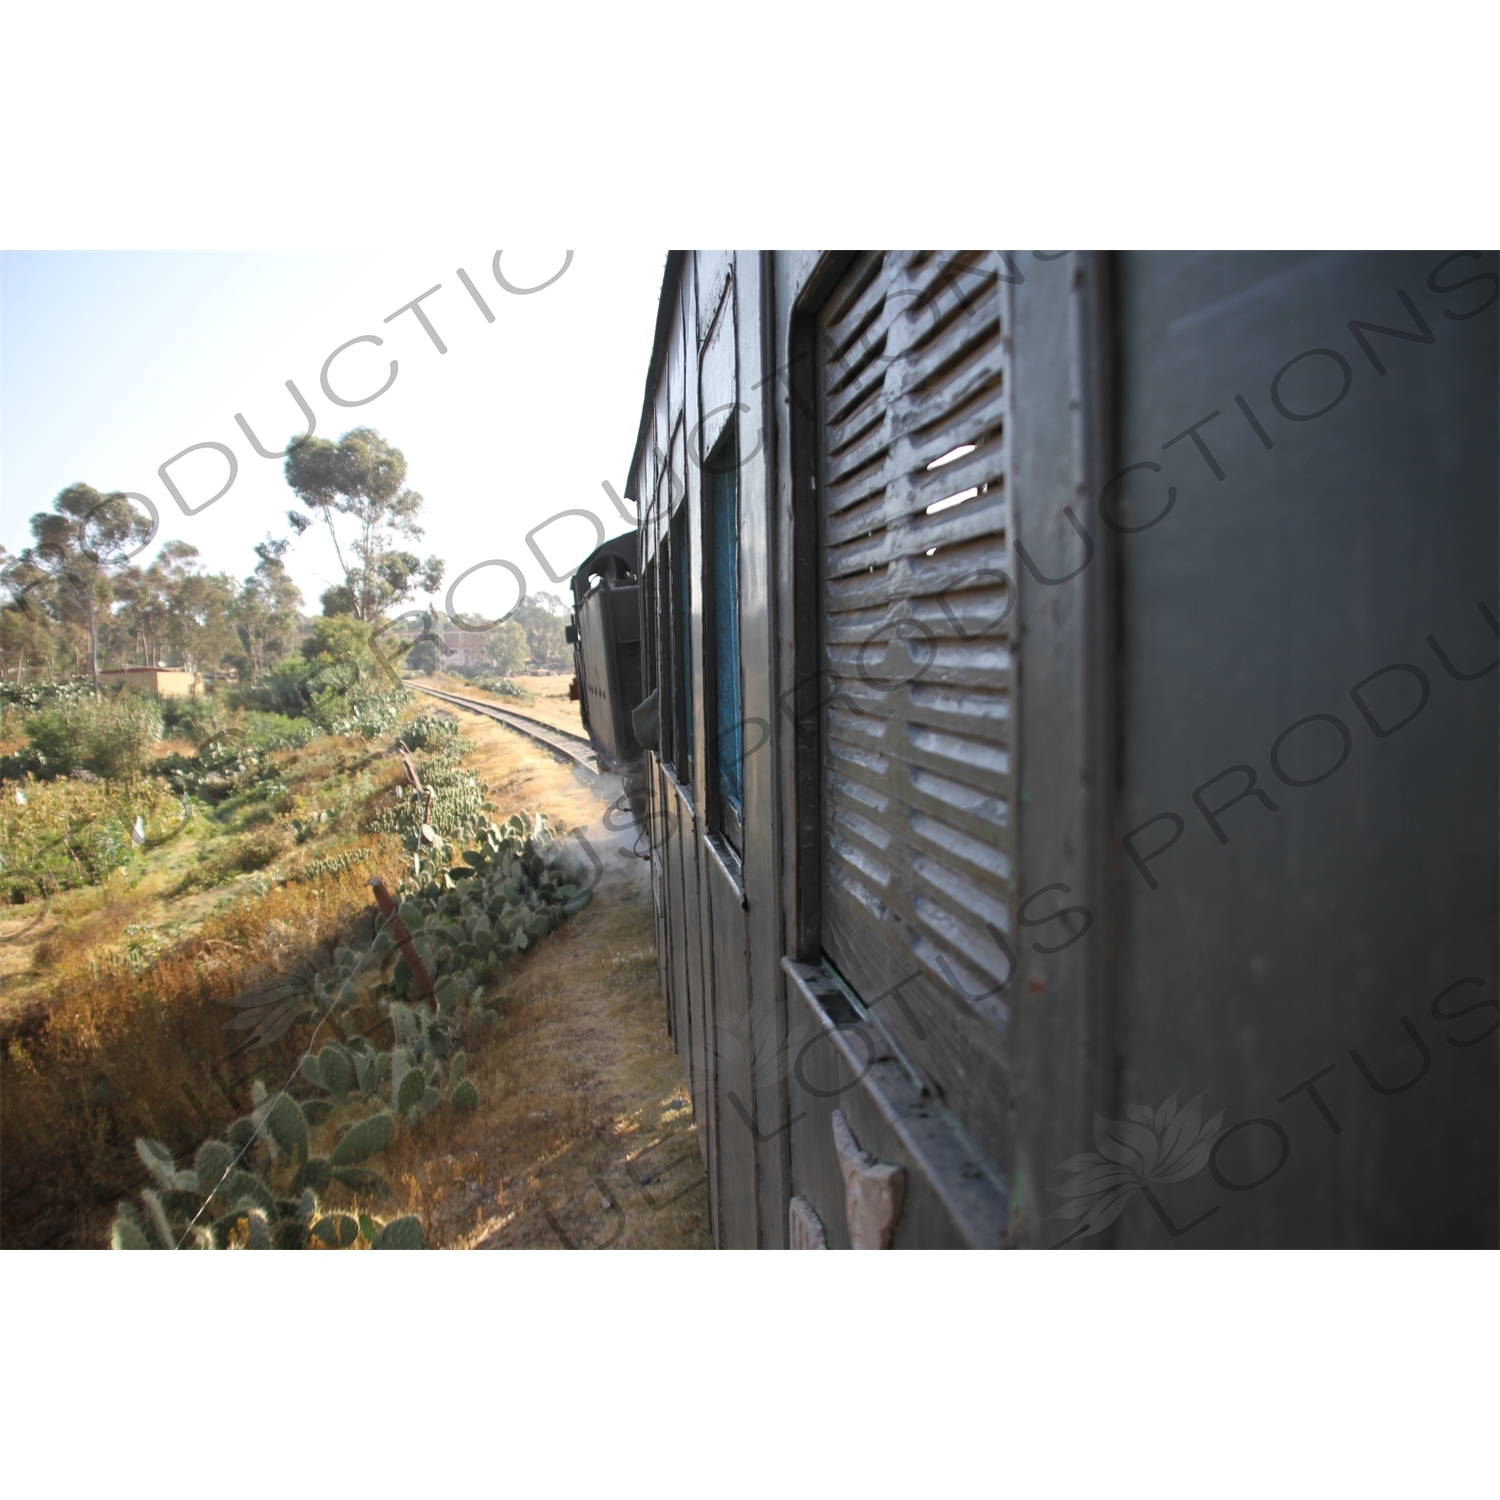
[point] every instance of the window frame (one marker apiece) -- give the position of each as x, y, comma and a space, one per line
726, 813
679, 569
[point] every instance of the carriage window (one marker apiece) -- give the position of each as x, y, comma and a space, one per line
662, 637
721, 476
682, 657
666, 705
648, 629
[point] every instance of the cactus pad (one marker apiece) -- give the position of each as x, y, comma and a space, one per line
404, 1233
362, 1180
410, 1091
128, 1232
336, 1231
363, 1141
337, 1072
212, 1164
288, 1126
244, 1189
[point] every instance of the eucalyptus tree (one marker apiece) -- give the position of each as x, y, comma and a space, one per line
145, 596
82, 544
25, 629
267, 612
543, 617
199, 629
362, 479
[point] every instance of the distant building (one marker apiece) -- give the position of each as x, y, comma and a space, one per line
159, 682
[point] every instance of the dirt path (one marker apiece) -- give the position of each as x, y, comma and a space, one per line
584, 1136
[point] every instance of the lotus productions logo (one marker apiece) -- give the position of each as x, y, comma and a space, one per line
1169, 1145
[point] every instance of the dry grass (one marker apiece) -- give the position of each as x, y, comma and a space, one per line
112, 1024
583, 1134
552, 704
45, 946
579, 1083
120, 1054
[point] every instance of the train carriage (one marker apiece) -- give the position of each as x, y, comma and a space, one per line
1070, 758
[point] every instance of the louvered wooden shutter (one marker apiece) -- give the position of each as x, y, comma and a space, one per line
916, 734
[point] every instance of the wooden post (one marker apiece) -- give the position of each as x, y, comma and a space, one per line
403, 939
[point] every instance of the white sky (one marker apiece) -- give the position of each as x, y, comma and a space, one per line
112, 362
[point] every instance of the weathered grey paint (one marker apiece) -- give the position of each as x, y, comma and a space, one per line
1327, 934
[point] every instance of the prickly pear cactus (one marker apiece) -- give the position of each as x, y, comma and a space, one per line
211, 1165
287, 1126
404, 1233
337, 1071
363, 1141
364, 1180
335, 1231
313, 1175
128, 1232
244, 1189
159, 1162
259, 1187
410, 1091
367, 1071
289, 1233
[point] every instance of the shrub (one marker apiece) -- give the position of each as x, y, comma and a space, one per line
366, 713
279, 692
55, 734
423, 657
112, 737
223, 860
273, 731
338, 695
121, 735
193, 718
502, 687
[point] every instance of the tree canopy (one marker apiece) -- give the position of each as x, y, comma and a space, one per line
79, 603
82, 544
362, 478
267, 612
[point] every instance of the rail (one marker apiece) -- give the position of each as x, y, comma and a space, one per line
573, 746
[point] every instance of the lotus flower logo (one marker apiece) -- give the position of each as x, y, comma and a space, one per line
1150, 1148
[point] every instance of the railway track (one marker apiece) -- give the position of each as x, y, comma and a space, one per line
573, 746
